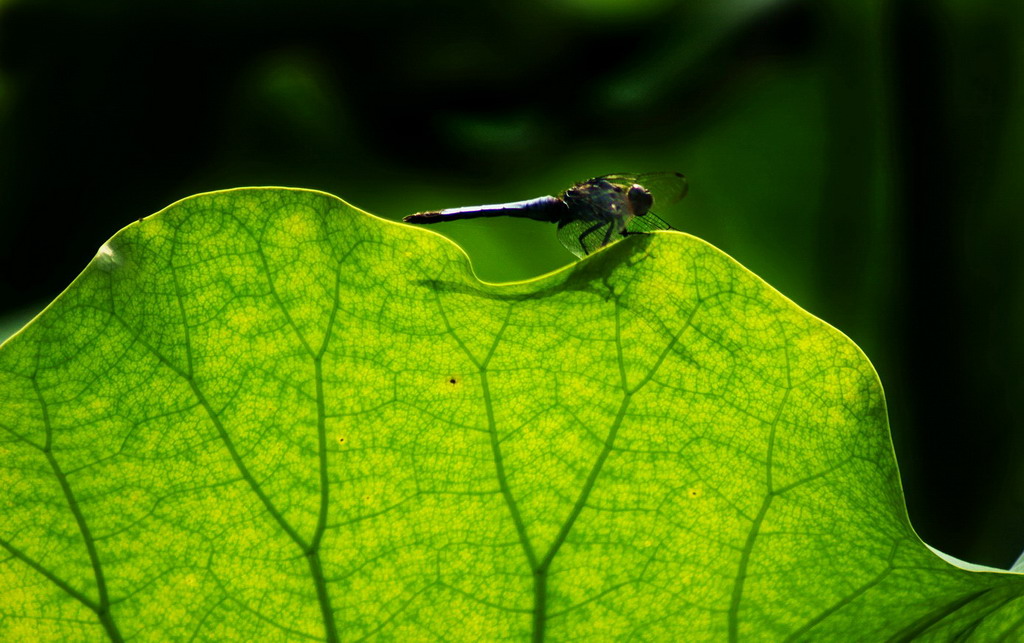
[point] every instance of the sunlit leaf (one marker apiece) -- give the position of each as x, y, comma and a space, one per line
262, 414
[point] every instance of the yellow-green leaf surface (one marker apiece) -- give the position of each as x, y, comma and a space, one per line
262, 414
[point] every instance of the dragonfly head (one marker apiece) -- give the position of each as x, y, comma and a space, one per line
640, 199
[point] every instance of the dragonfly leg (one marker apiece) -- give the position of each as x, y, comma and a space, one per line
586, 233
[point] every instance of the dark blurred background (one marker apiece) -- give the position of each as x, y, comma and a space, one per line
865, 158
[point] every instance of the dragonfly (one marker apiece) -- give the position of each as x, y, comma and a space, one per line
591, 214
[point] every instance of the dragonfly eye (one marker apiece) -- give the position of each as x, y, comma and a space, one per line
640, 199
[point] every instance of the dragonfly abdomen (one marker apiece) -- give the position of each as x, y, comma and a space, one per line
545, 208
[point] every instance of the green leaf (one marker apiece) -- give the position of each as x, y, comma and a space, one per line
263, 414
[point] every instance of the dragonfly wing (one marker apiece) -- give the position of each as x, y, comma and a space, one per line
647, 223
585, 235
666, 187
